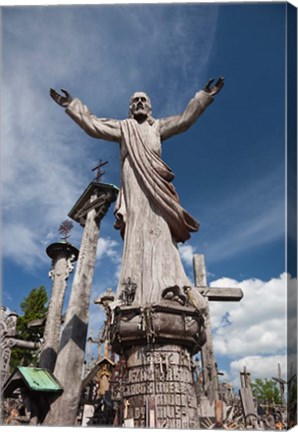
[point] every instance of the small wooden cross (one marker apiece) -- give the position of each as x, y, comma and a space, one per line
246, 396
98, 168
245, 378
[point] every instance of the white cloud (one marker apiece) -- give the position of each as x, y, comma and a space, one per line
186, 253
253, 332
258, 366
257, 324
108, 248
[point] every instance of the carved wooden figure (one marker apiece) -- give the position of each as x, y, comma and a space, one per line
148, 210
156, 319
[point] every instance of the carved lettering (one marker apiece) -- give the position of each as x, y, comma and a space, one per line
170, 412
183, 400
177, 411
191, 402
185, 423
160, 412
167, 376
150, 387
171, 423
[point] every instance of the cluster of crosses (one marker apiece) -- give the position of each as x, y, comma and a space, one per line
58, 378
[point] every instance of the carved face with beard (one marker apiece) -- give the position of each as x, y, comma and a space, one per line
140, 107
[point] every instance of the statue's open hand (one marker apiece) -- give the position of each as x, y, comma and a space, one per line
61, 100
212, 90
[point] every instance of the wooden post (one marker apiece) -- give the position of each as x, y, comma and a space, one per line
281, 386
199, 270
207, 354
219, 414
150, 412
281, 383
210, 378
63, 255
89, 210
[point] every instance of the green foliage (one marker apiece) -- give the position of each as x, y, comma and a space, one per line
33, 307
266, 391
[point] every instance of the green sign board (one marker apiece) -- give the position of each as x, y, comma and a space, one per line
40, 379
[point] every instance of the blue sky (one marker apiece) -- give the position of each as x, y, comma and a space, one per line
230, 167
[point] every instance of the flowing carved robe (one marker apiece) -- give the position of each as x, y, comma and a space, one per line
148, 211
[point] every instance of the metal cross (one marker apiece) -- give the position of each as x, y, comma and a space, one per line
65, 228
98, 168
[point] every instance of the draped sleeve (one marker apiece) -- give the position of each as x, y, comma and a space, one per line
176, 124
102, 128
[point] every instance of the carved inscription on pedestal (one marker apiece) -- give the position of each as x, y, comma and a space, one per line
163, 375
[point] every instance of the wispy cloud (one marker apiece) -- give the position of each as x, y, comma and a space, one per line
45, 158
251, 216
27, 240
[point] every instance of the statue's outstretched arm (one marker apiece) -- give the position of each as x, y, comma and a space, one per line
174, 125
102, 128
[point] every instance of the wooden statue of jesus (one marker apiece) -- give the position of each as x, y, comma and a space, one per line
148, 211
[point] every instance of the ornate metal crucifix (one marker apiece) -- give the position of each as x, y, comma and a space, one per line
65, 228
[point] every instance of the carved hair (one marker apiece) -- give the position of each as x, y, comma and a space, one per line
150, 119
